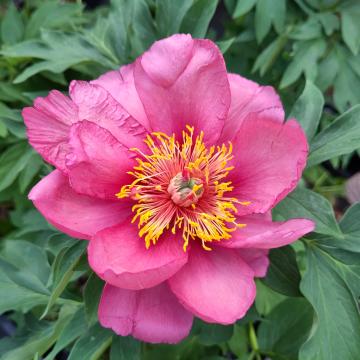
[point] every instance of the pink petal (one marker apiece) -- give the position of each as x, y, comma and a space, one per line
77, 215
248, 97
119, 256
97, 105
217, 286
257, 259
48, 124
96, 161
269, 159
120, 84
265, 234
182, 81
153, 315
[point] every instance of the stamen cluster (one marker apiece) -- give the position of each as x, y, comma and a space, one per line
180, 186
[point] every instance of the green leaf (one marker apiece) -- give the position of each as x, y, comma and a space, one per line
53, 15
266, 299
305, 58
350, 27
238, 343
308, 108
304, 203
211, 334
92, 293
12, 26
125, 348
3, 130
170, 14
24, 273
242, 7
346, 80
225, 45
333, 288
341, 137
31, 169
62, 270
73, 330
269, 12
41, 338
285, 329
283, 274
268, 56
12, 161
197, 19
58, 52
92, 344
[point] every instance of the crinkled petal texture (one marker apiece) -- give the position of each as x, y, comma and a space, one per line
153, 315
270, 157
48, 123
119, 256
97, 162
217, 286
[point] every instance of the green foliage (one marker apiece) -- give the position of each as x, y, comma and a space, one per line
307, 305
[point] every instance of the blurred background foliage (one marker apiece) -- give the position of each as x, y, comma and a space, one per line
307, 306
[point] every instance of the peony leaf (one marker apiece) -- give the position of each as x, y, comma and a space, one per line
197, 19
286, 328
91, 344
331, 283
62, 270
92, 293
283, 274
304, 203
341, 137
12, 26
308, 108
125, 348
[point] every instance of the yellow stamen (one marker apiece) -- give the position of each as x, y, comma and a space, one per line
197, 203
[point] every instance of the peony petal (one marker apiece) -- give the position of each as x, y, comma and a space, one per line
270, 158
265, 234
121, 86
76, 215
257, 259
97, 105
119, 256
217, 286
182, 81
96, 161
48, 125
153, 315
248, 97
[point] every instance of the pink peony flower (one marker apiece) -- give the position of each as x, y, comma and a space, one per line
170, 166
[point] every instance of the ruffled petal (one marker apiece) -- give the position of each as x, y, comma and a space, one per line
183, 81
97, 163
270, 157
77, 215
120, 84
217, 286
48, 124
153, 315
264, 234
248, 97
119, 256
95, 104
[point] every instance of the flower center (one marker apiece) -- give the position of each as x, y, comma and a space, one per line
185, 190
179, 186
